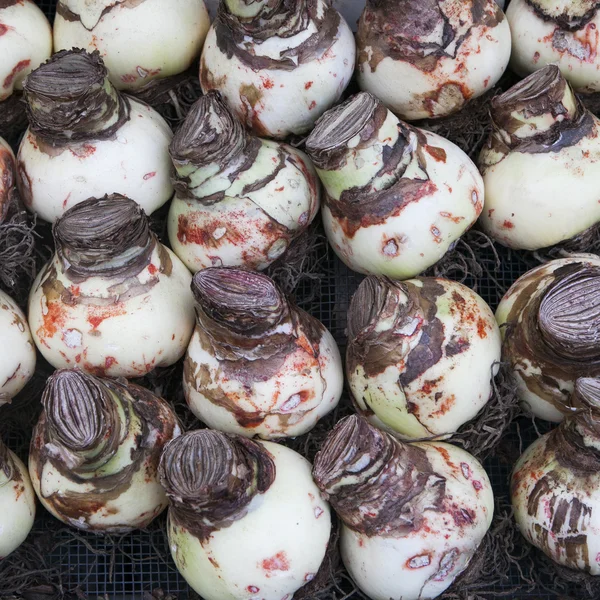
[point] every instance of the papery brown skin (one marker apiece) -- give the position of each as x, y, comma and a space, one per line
80, 432
7, 178
72, 83
384, 495
257, 365
554, 485
7, 466
545, 93
445, 52
93, 236
286, 20
550, 316
240, 200
211, 477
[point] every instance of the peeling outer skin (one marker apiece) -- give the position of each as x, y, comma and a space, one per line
132, 35
284, 72
422, 560
540, 39
555, 489
412, 346
8, 178
25, 43
545, 380
121, 494
18, 358
17, 501
248, 228
445, 51
561, 159
290, 525
397, 197
134, 162
277, 383
121, 326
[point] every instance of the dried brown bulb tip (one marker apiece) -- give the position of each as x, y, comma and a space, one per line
82, 418
552, 318
210, 134
568, 15
211, 137
540, 114
211, 478
376, 484
242, 301
569, 316
363, 115
238, 19
70, 99
104, 237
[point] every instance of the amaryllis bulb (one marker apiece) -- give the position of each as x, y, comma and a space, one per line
257, 365
555, 485
113, 300
95, 451
18, 358
8, 178
397, 197
139, 41
25, 43
279, 65
421, 355
246, 520
87, 139
413, 515
550, 320
564, 33
543, 149
240, 200
17, 502
428, 58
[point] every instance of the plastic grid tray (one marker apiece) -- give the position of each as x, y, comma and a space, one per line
136, 566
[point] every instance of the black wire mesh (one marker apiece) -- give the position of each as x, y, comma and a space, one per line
136, 565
